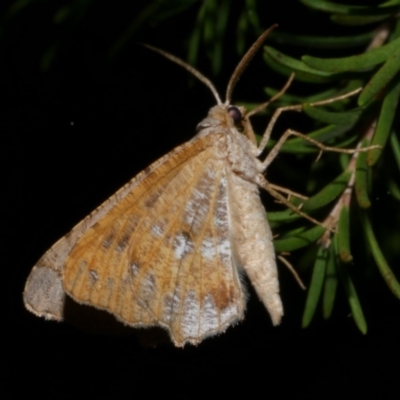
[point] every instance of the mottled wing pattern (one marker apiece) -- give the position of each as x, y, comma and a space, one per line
163, 255
44, 294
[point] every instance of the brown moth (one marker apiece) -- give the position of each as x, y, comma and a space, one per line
168, 249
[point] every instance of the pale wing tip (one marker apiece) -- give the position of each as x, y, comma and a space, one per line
42, 314
44, 295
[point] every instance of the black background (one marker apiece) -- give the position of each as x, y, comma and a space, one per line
69, 139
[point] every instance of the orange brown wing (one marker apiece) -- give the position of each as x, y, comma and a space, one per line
163, 254
44, 293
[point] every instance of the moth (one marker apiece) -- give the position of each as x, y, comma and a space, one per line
169, 249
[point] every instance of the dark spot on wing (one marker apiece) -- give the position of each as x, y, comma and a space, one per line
108, 240
151, 199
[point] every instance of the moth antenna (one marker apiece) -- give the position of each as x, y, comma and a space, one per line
245, 61
189, 68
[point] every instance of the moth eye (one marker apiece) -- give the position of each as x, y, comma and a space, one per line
235, 113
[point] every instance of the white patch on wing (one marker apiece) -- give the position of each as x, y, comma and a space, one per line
199, 194
182, 245
94, 275
157, 230
209, 316
171, 306
148, 286
198, 205
196, 209
224, 249
229, 313
190, 316
208, 249
134, 269
189, 210
221, 210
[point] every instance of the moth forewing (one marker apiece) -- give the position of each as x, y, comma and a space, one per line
163, 256
43, 294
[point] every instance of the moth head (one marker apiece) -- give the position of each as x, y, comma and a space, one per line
223, 115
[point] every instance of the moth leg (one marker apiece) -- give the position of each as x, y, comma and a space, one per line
290, 132
290, 267
262, 182
298, 108
288, 192
248, 128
